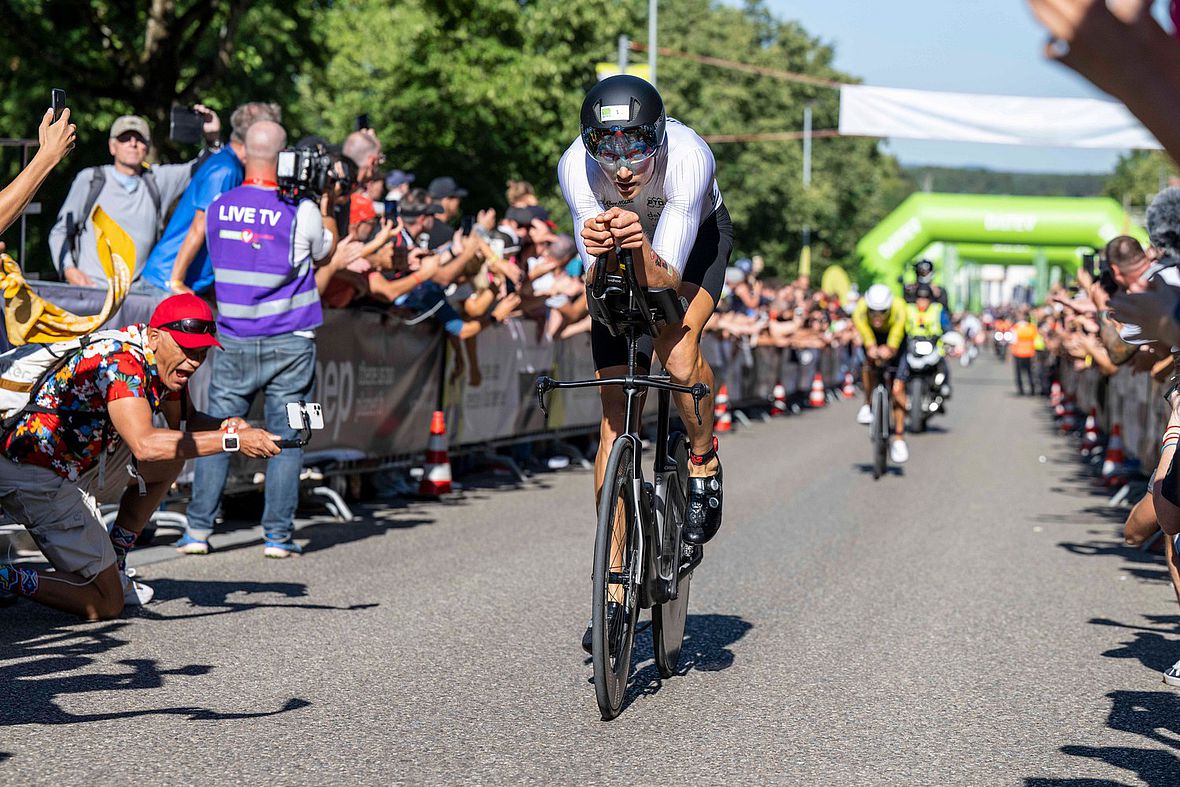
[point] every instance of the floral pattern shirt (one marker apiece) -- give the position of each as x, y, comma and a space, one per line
104, 371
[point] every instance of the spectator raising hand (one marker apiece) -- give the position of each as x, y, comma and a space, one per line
57, 139
1154, 310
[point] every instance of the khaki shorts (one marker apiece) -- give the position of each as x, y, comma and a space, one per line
62, 516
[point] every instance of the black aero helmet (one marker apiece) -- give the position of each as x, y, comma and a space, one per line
623, 121
924, 269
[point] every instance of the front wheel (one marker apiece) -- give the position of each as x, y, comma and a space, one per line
617, 568
879, 431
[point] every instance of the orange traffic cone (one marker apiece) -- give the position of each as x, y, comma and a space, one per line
849, 386
817, 397
436, 478
1113, 461
1090, 436
779, 397
722, 420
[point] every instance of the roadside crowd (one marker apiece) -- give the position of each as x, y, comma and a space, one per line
1124, 50
243, 256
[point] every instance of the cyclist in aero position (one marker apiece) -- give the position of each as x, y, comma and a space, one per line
881, 321
640, 181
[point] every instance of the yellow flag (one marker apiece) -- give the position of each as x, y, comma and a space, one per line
30, 319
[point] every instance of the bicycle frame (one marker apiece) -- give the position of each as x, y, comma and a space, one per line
637, 315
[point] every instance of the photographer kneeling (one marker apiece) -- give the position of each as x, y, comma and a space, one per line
266, 239
78, 444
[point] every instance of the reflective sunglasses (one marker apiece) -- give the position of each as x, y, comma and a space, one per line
617, 144
191, 325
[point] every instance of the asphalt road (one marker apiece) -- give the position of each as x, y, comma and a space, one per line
974, 620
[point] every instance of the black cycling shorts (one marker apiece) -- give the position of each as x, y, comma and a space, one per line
705, 268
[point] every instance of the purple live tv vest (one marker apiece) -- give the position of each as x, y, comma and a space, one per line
261, 290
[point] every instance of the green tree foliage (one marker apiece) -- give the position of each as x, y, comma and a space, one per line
482, 90
1138, 176
762, 181
117, 57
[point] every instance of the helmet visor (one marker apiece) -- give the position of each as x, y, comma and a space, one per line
616, 147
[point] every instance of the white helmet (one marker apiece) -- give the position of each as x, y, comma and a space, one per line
879, 298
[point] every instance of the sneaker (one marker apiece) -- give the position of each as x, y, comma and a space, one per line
899, 452
281, 549
187, 545
135, 594
1172, 675
864, 415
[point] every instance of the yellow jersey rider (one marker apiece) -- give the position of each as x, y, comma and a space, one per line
880, 319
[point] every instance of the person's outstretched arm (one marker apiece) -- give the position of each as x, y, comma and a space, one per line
57, 139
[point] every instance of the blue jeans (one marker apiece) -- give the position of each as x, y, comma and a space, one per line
283, 368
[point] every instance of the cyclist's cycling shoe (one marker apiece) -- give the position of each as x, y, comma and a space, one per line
702, 520
615, 616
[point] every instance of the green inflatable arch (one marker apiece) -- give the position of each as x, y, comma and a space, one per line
991, 229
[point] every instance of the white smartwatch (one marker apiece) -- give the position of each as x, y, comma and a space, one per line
229, 440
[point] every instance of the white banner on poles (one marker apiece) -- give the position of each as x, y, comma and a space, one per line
1011, 120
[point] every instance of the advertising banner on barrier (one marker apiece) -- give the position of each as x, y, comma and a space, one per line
378, 381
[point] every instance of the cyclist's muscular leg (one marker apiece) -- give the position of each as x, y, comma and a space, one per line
899, 403
868, 378
679, 347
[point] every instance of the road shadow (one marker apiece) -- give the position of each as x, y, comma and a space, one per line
890, 469
43, 666
706, 648
1152, 715
212, 598
1155, 715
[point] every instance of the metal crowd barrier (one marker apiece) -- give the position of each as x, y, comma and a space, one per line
1133, 401
380, 380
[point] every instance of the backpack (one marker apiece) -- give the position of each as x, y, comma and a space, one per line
98, 180
24, 370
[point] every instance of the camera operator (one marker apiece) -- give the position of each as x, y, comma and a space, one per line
179, 262
57, 139
264, 248
136, 196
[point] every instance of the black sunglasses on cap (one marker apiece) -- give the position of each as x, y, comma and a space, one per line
191, 325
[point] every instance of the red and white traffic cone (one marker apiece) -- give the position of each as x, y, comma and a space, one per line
1090, 438
779, 397
722, 419
817, 397
1112, 463
436, 478
849, 386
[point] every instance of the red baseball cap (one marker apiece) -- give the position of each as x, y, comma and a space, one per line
361, 209
188, 320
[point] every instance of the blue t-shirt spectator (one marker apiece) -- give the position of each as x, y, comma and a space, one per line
220, 173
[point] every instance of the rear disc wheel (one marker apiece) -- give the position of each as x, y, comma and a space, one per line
667, 619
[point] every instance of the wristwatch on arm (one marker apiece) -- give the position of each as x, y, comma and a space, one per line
230, 443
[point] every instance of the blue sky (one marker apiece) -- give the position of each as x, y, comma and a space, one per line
970, 46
